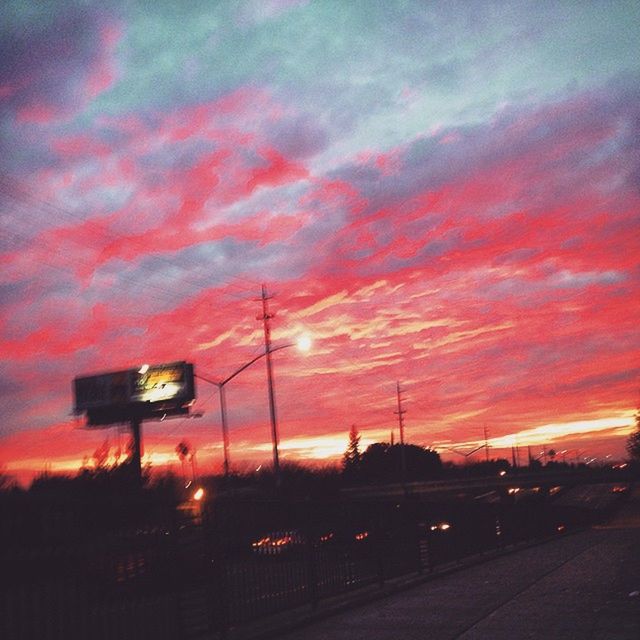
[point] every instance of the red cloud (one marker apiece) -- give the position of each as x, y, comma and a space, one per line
277, 171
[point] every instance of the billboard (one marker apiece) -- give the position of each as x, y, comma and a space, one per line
151, 392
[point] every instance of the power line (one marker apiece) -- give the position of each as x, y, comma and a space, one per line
23, 197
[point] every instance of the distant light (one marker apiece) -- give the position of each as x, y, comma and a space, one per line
502, 473
199, 494
143, 369
304, 343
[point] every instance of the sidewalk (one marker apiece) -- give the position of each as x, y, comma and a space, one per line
583, 586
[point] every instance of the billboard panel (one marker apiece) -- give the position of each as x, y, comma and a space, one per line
151, 392
161, 383
102, 390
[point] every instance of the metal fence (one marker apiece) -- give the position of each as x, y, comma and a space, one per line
157, 575
316, 550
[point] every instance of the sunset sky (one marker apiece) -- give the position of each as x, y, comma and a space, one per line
441, 194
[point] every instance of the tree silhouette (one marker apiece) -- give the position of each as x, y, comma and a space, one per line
6, 481
101, 456
633, 441
352, 456
381, 462
184, 451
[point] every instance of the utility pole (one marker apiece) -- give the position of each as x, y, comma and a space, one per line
225, 429
486, 445
400, 413
266, 317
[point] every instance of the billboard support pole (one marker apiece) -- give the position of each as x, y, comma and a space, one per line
136, 459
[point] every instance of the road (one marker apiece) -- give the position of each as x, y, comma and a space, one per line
585, 585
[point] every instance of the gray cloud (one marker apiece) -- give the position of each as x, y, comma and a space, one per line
298, 137
45, 60
428, 164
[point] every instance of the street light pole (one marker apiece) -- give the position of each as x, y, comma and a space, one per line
223, 401
225, 429
223, 415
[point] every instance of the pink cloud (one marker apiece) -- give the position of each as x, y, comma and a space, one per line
36, 114
102, 74
79, 146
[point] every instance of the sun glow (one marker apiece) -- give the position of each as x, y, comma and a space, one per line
322, 447
304, 343
622, 425
556, 431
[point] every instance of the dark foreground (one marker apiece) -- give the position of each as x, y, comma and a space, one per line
585, 585
522, 561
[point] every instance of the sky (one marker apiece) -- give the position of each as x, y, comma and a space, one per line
444, 195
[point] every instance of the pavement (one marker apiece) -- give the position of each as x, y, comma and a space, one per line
584, 585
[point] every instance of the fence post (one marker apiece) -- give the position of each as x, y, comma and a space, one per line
172, 569
219, 591
379, 546
424, 555
499, 532
312, 573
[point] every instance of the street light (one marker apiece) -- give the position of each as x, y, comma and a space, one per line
304, 343
463, 453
